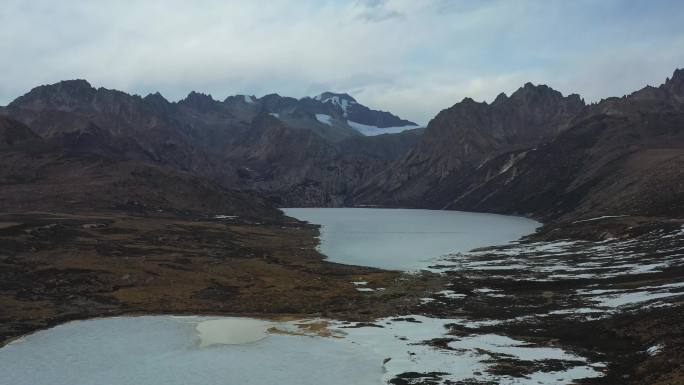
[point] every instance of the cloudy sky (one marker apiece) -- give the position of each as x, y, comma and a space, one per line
412, 57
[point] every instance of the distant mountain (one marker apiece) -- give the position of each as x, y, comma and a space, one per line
535, 152
332, 116
363, 119
275, 145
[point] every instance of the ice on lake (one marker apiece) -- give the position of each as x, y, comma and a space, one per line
167, 350
156, 350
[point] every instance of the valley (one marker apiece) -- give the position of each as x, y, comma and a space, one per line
115, 205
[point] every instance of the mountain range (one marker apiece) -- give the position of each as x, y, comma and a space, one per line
298, 152
536, 152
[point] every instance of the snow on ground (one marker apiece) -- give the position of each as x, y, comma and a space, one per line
221, 216
512, 160
451, 294
550, 261
624, 299
374, 130
599, 218
580, 260
324, 118
505, 345
654, 350
617, 298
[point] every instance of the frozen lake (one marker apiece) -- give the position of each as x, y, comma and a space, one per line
167, 350
404, 239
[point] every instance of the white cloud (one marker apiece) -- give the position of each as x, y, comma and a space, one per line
413, 58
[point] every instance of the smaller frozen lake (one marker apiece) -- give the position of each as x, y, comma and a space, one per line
166, 350
404, 239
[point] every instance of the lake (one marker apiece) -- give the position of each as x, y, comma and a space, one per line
404, 239
167, 350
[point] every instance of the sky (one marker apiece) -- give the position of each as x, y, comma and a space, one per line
411, 57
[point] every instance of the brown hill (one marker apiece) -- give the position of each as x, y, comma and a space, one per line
37, 176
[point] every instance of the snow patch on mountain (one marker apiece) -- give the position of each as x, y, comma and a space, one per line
341, 101
324, 118
368, 130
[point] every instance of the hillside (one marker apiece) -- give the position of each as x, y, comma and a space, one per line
622, 156
40, 176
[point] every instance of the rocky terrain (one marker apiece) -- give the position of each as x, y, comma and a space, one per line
299, 152
459, 139
622, 156
615, 302
535, 152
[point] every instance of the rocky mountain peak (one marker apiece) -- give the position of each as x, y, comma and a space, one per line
75, 85
360, 116
240, 98
675, 84
543, 99
468, 100
331, 96
199, 101
531, 91
501, 98
156, 98
158, 102
343, 101
276, 103
65, 95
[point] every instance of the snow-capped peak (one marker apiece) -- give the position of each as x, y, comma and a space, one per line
344, 101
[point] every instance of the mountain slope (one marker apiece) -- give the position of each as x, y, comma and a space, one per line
298, 167
623, 156
288, 155
40, 176
363, 119
15, 135
460, 138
